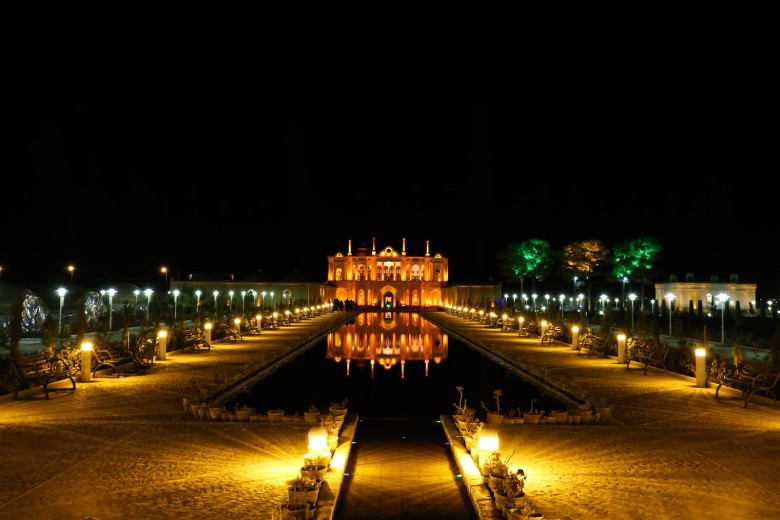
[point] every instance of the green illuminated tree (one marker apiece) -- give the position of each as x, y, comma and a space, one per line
635, 259
585, 260
530, 258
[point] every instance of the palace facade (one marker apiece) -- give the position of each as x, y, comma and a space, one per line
385, 278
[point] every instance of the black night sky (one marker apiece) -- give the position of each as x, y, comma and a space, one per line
234, 151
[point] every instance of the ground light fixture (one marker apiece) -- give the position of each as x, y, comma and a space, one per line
86, 362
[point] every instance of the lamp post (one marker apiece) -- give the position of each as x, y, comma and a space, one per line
533, 298
61, 292
562, 299
197, 304
272, 299
506, 299
243, 303
547, 298
175, 297
514, 302
669, 298
525, 301
625, 279
632, 297
164, 270
215, 293
111, 293
148, 293
136, 292
230, 302
70, 268
262, 302
723, 299
574, 288
603, 298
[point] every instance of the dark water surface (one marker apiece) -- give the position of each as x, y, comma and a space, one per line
400, 465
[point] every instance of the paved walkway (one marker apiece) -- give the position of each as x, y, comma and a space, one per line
124, 448
671, 450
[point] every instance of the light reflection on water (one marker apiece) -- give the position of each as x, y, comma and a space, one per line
392, 365
388, 340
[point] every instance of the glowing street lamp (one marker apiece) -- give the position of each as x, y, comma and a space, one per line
164, 270
272, 299
625, 279
562, 299
525, 301
514, 301
506, 299
111, 293
723, 299
632, 297
231, 302
215, 293
603, 298
547, 303
243, 303
262, 302
61, 292
533, 298
175, 297
71, 268
197, 304
669, 299
136, 292
148, 293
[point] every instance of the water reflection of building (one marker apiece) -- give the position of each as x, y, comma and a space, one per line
389, 340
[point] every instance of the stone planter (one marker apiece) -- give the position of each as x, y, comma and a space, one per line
316, 472
338, 411
531, 418
275, 415
311, 417
243, 414
495, 418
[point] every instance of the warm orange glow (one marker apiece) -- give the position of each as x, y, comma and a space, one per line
86, 346
207, 326
162, 334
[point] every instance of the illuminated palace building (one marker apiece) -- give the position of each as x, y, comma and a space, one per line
383, 278
387, 278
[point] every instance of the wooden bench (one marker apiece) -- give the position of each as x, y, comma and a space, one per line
592, 344
229, 332
552, 334
194, 339
749, 384
527, 329
646, 351
109, 357
39, 370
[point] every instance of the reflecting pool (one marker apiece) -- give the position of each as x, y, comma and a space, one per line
393, 365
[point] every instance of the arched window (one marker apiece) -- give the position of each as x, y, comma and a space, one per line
339, 274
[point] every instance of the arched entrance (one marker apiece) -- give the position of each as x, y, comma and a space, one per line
388, 300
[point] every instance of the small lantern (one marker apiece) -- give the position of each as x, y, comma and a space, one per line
162, 344
318, 439
237, 321
701, 367
488, 439
86, 362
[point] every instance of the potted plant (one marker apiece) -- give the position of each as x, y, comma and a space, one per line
497, 470
604, 411
510, 495
533, 415
303, 490
524, 512
313, 467
312, 415
275, 415
494, 416
338, 408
